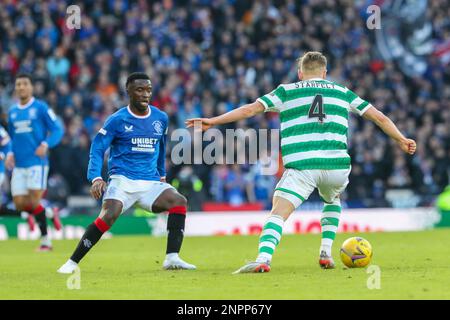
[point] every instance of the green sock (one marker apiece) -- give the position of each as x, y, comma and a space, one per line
270, 237
329, 222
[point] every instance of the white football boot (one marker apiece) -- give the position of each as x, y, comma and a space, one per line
254, 267
68, 267
174, 262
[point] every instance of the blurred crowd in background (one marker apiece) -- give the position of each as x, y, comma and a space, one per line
207, 57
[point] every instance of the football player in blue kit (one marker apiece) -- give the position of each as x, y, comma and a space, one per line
136, 135
33, 128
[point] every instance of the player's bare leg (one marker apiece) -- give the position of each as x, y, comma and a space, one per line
175, 203
111, 210
270, 236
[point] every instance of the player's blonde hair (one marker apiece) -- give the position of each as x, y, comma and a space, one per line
312, 62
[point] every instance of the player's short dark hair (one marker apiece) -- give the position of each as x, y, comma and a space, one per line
136, 76
21, 75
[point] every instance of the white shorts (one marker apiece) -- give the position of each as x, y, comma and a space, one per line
130, 192
297, 185
25, 179
2, 178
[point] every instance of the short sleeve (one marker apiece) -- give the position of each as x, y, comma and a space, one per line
273, 101
357, 105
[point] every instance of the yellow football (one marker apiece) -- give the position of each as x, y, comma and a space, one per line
356, 252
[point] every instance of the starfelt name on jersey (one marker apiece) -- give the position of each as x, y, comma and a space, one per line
314, 84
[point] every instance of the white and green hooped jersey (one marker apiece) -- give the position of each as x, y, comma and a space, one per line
314, 122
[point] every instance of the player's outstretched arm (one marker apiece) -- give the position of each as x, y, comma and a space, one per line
386, 124
243, 112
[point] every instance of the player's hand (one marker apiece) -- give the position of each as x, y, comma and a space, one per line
162, 179
407, 145
10, 162
203, 123
41, 151
97, 188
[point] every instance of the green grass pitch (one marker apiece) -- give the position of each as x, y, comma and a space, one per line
414, 265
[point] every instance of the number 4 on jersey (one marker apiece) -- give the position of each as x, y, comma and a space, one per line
316, 109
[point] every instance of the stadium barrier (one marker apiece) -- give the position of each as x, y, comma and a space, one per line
238, 223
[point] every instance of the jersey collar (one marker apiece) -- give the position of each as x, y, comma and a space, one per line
315, 79
138, 116
24, 106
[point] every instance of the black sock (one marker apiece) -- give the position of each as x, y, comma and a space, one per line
87, 241
175, 229
5, 211
41, 220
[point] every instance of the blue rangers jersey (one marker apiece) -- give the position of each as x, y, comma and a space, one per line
28, 126
5, 147
137, 145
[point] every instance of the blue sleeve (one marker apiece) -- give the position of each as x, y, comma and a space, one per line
54, 126
99, 145
162, 151
5, 143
